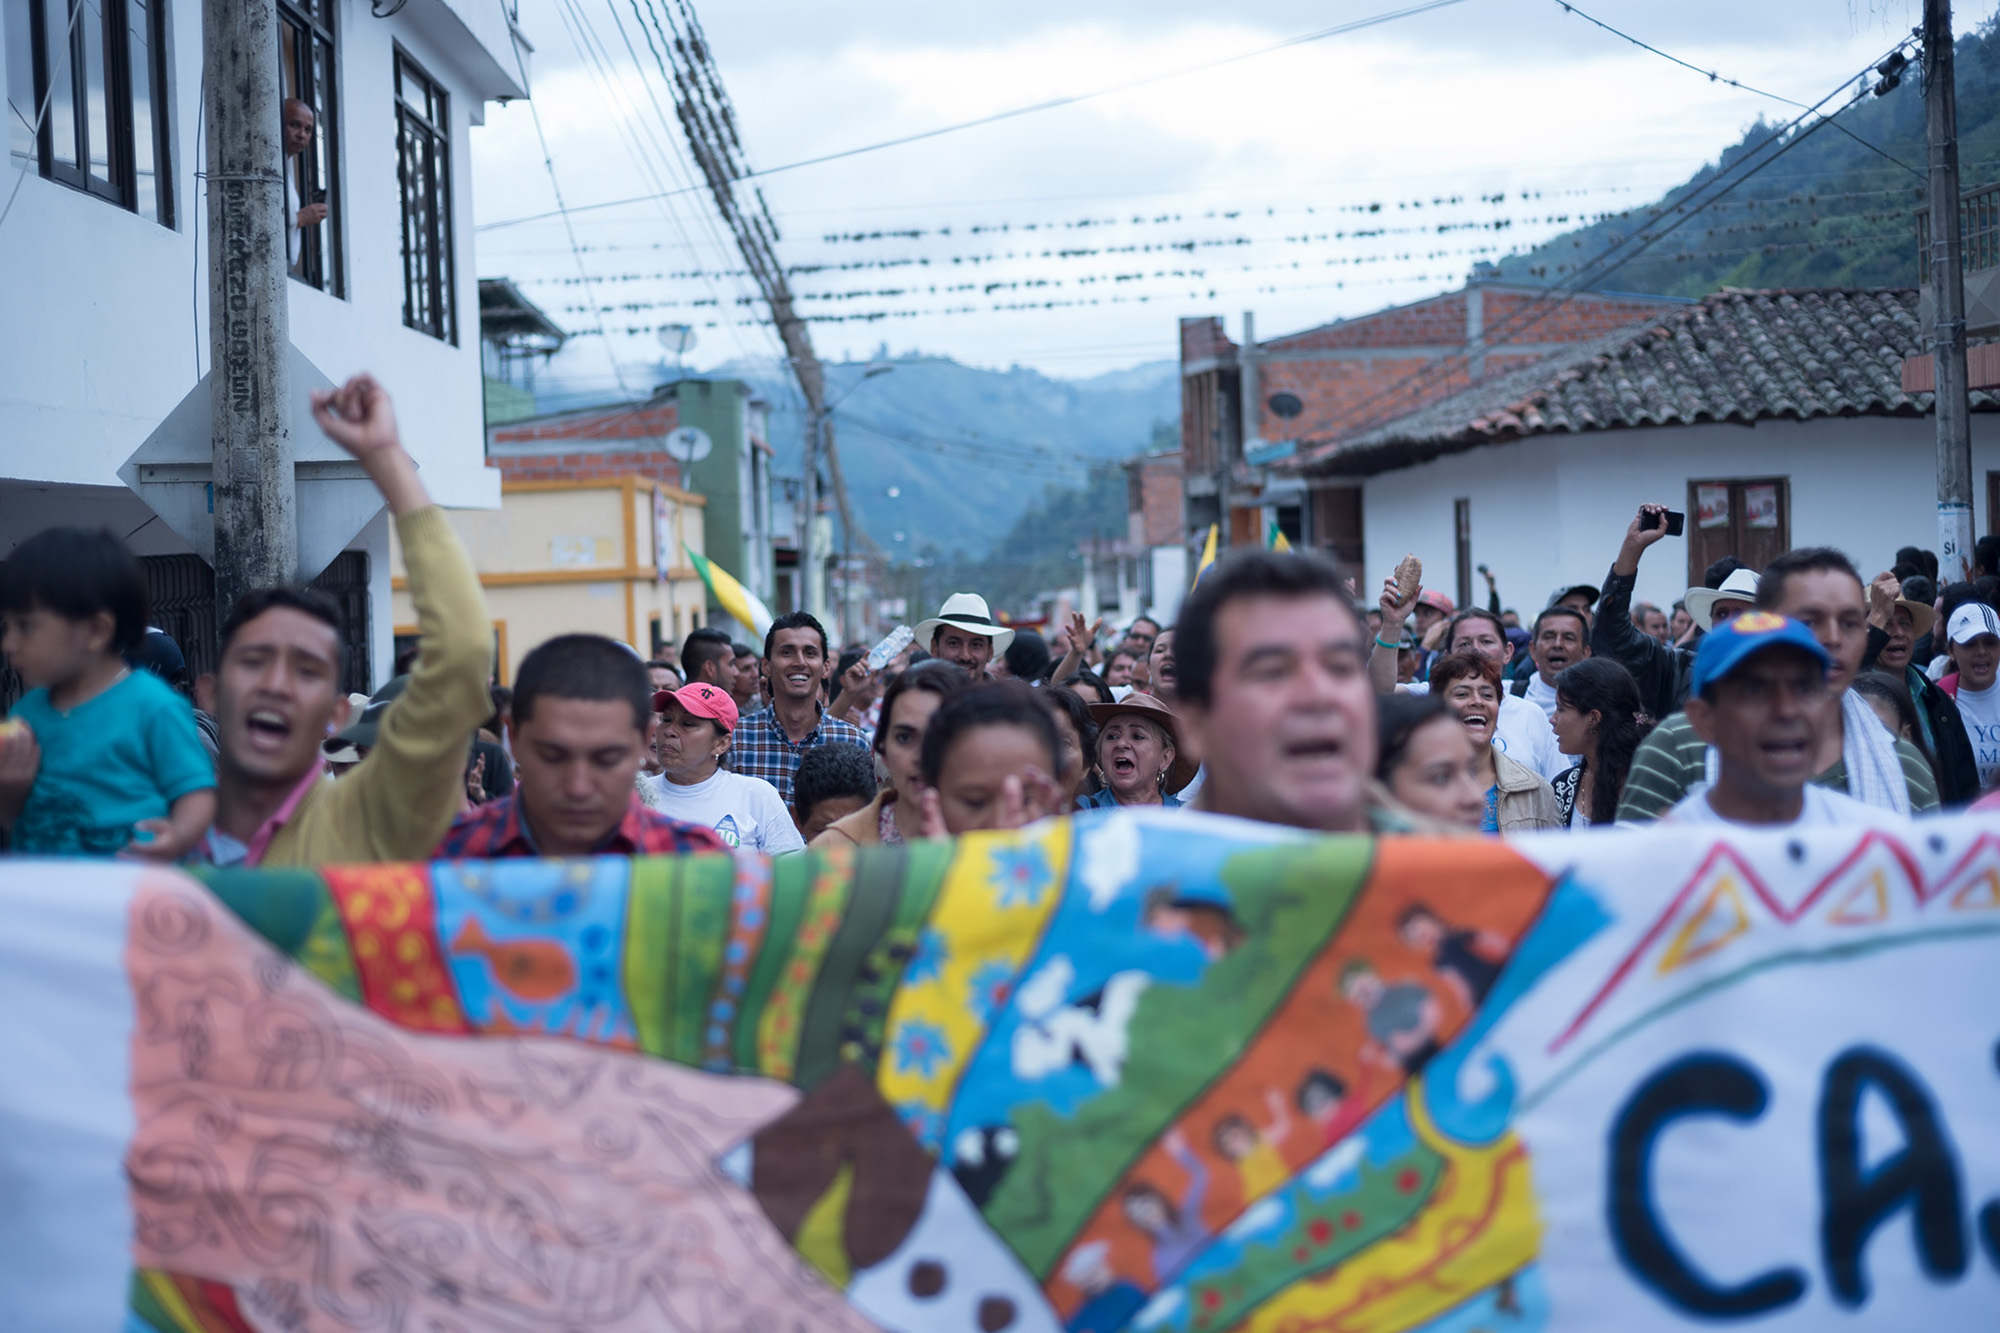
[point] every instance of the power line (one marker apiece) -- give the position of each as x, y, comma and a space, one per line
1303, 39
1714, 77
1606, 264
548, 162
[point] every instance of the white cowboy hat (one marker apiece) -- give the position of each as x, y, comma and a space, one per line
966, 611
1740, 586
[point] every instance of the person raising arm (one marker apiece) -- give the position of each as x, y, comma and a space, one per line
277, 690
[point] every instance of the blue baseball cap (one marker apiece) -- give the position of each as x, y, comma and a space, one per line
1729, 644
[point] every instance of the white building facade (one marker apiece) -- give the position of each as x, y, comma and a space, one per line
1553, 509
1772, 420
104, 248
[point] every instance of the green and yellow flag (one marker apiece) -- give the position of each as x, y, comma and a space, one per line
730, 595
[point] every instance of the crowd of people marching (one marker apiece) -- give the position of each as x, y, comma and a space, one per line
1801, 693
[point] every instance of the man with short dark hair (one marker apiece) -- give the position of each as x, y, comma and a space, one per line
831, 783
664, 674
581, 721
299, 122
1650, 620
1140, 636
708, 656
277, 688
1561, 637
1759, 698
1118, 668
749, 674
1852, 751
770, 740
1270, 673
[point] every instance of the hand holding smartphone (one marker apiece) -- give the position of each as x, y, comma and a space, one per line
1649, 519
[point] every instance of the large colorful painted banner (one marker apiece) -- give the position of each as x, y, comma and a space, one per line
1168, 1073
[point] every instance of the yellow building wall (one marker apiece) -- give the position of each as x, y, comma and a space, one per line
569, 557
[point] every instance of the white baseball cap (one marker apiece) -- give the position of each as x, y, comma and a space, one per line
1972, 620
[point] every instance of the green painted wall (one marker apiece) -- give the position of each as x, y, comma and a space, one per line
716, 407
507, 402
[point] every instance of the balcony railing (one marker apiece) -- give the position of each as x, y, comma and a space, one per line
1978, 232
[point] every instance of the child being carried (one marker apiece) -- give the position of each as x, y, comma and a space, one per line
97, 758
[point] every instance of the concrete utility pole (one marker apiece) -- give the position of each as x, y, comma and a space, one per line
249, 329
1954, 419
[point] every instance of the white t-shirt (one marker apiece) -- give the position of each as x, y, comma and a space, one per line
743, 811
1542, 696
1981, 711
1523, 734
1823, 808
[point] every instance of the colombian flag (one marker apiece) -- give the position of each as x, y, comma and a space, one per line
1207, 556
730, 595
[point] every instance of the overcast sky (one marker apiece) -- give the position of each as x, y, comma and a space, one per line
1482, 98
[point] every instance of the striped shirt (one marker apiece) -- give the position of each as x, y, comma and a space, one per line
1673, 760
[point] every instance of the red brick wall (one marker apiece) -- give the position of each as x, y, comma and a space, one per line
587, 467
615, 423
1345, 395
1439, 322
1159, 487
1203, 338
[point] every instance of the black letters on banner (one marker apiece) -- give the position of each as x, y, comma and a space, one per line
1701, 1084
1854, 1200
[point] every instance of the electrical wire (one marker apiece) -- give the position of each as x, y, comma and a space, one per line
1303, 39
1714, 77
1607, 263
548, 162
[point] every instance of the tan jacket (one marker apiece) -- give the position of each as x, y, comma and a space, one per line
398, 802
863, 828
1526, 799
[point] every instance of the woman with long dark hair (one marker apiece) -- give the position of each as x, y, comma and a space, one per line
1599, 717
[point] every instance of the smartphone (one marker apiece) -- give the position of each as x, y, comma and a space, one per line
1676, 522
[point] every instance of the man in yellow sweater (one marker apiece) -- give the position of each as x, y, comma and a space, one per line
278, 695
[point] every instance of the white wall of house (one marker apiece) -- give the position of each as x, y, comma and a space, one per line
1553, 509
106, 310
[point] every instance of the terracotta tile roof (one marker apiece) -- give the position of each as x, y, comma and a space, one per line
1738, 356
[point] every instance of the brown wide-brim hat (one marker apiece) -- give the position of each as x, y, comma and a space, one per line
1140, 704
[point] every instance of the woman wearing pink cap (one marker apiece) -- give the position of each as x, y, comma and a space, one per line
697, 725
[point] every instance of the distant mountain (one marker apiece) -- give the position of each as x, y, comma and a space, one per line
1834, 210
951, 456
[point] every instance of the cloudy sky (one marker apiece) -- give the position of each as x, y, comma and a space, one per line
1234, 188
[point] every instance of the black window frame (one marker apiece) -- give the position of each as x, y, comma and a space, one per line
429, 304
119, 185
321, 263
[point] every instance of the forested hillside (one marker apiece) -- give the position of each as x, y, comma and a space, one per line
1830, 210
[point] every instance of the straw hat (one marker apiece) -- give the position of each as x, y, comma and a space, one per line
966, 611
1139, 704
1740, 586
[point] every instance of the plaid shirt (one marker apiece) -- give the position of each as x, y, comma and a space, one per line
497, 830
763, 750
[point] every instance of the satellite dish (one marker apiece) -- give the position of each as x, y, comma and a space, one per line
1285, 405
688, 444
677, 338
